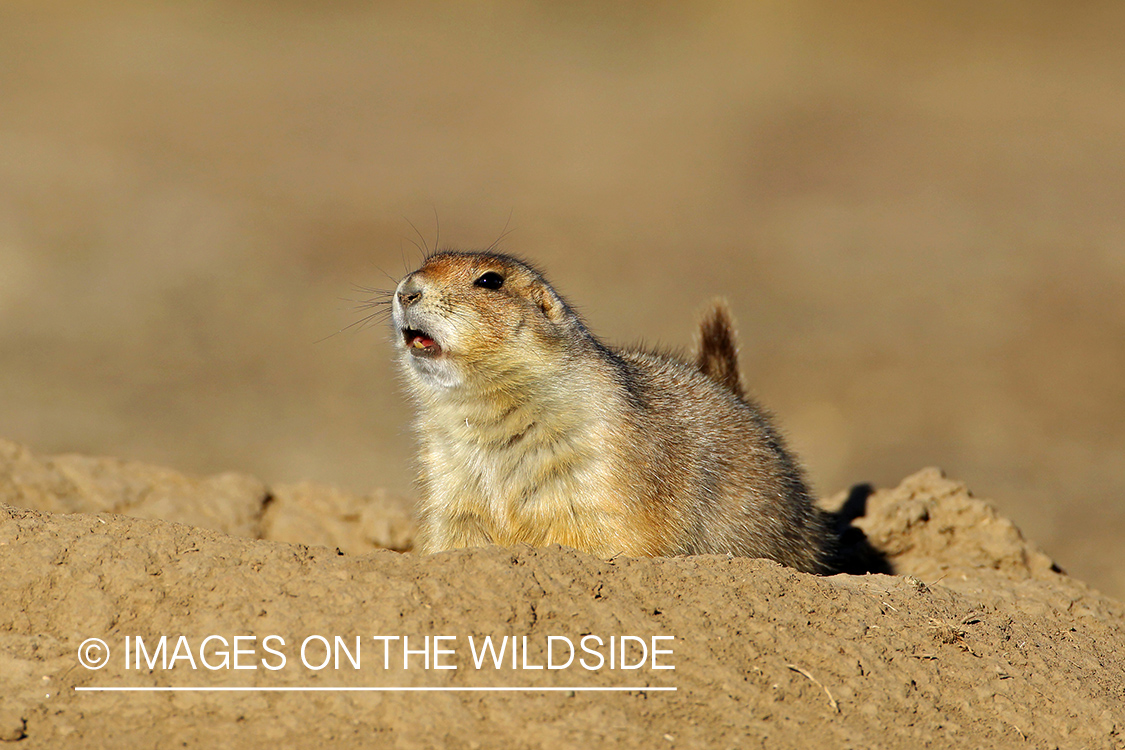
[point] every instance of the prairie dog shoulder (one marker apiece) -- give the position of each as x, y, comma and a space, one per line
532, 430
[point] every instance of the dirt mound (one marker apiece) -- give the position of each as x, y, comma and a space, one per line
232, 503
978, 642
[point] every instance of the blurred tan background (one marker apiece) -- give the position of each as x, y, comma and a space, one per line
917, 211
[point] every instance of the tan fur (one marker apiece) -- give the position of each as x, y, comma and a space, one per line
532, 431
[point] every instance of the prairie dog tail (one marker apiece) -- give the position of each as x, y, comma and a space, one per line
717, 351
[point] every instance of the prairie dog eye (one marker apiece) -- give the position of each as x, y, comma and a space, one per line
489, 280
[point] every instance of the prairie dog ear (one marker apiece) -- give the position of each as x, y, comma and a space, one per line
717, 351
548, 302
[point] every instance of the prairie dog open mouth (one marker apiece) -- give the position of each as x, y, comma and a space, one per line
420, 343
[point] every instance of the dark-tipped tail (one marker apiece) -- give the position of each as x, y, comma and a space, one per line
717, 350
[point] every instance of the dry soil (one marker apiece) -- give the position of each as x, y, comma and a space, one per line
976, 640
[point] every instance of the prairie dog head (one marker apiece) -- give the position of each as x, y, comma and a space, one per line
479, 320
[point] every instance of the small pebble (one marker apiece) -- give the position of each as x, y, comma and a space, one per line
12, 725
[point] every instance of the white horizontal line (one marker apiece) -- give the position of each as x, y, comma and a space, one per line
376, 689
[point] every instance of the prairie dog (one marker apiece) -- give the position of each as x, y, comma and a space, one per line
532, 430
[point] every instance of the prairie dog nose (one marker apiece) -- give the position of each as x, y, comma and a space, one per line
409, 292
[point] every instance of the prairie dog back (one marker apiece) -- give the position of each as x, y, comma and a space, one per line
533, 431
